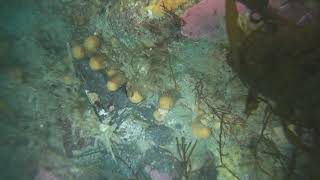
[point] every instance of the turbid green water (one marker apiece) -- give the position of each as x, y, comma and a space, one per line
103, 89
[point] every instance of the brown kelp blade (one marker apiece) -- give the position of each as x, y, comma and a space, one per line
235, 34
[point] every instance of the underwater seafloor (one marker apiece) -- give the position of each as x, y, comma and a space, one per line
138, 89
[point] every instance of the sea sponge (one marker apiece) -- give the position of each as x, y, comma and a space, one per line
91, 44
116, 81
166, 102
78, 52
134, 95
111, 72
119, 78
156, 7
98, 62
159, 115
200, 131
246, 25
112, 86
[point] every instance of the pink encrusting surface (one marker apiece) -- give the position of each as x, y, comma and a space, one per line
203, 19
156, 175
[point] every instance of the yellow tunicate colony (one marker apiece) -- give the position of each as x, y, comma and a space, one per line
246, 25
91, 44
166, 102
156, 7
135, 96
98, 62
159, 115
111, 72
116, 82
200, 131
119, 78
78, 52
112, 86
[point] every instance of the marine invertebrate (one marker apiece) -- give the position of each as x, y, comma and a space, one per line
200, 125
159, 115
166, 102
91, 43
116, 81
98, 62
112, 86
200, 131
78, 52
156, 9
134, 95
246, 25
111, 72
